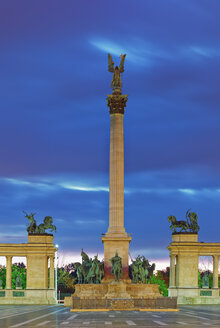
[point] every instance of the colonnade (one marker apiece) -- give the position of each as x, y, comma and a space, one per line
38, 251
184, 264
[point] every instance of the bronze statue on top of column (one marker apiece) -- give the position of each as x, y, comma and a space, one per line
116, 102
116, 84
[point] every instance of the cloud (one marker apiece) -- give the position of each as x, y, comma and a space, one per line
138, 51
188, 191
89, 222
84, 188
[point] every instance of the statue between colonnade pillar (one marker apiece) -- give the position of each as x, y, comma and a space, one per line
116, 239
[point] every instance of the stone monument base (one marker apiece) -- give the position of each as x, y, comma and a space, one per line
119, 296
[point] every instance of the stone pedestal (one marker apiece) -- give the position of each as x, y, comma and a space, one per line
111, 245
117, 290
119, 296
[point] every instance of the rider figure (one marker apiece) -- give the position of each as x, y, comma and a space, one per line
116, 266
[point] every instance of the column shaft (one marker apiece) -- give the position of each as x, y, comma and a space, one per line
8, 271
51, 272
46, 273
215, 270
116, 175
172, 271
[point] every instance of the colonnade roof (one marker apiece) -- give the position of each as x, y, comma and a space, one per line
27, 249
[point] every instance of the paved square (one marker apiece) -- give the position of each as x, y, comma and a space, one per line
58, 316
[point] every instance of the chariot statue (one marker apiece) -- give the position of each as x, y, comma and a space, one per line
188, 225
33, 228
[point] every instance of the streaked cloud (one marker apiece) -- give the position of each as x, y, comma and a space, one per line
89, 222
142, 179
83, 188
138, 51
188, 191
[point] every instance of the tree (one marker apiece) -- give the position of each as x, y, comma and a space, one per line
157, 279
165, 274
3, 275
18, 269
65, 281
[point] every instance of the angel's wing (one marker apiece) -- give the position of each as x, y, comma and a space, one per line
110, 64
121, 67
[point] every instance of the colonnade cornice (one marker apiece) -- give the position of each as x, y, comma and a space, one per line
25, 250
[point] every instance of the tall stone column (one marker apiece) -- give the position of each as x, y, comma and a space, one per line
215, 270
116, 166
116, 239
52, 272
172, 278
8, 271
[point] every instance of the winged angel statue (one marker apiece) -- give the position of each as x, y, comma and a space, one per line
116, 80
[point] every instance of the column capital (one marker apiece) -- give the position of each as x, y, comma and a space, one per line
116, 103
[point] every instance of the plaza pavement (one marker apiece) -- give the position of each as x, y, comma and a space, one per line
57, 316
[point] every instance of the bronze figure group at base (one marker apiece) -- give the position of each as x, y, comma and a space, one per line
91, 271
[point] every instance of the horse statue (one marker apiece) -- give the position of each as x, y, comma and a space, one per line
46, 225
116, 266
78, 269
86, 265
190, 225
90, 271
183, 225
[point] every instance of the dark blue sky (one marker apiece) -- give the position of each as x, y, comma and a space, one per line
54, 125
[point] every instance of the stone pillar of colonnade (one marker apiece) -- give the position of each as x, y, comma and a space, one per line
215, 270
172, 281
8, 271
51, 272
37, 272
